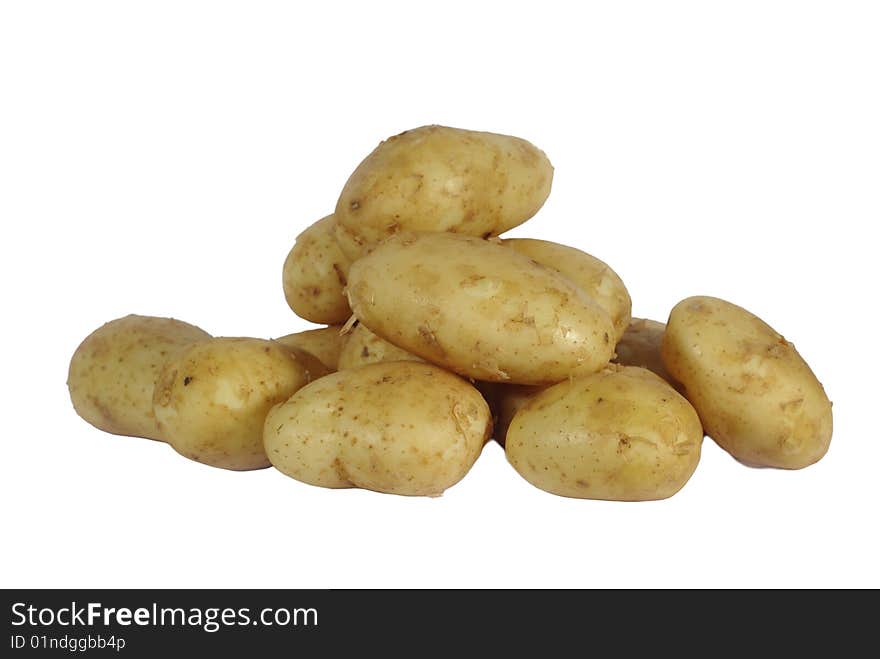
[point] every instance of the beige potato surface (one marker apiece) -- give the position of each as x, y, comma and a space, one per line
363, 347
211, 399
622, 434
756, 396
480, 309
593, 276
325, 343
314, 275
640, 346
113, 371
396, 427
436, 178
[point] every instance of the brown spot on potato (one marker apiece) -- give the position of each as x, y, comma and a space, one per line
340, 274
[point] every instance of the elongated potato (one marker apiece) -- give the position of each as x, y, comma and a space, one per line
325, 343
113, 371
314, 275
435, 178
363, 347
640, 346
211, 399
396, 427
479, 309
757, 397
593, 276
622, 435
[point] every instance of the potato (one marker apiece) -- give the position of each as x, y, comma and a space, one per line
113, 371
479, 309
364, 347
396, 427
640, 346
506, 401
314, 275
622, 434
593, 276
441, 179
211, 399
755, 394
325, 343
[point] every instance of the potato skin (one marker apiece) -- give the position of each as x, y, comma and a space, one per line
507, 400
314, 275
397, 427
113, 371
211, 400
621, 435
479, 309
593, 276
640, 346
436, 178
363, 347
325, 343
756, 396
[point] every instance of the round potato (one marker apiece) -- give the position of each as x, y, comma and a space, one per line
113, 371
622, 435
755, 394
479, 309
593, 276
363, 347
396, 427
441, 179
640, 346
325, 343
314, 275
211, 399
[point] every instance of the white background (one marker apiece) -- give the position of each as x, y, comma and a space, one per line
159, 158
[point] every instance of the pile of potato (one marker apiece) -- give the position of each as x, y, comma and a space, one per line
439, 332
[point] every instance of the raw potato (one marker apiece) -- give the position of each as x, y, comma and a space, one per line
506, 402
363, 347
479, 309
755, 394
396, 427
435, 178
113, 371
324, 343
593, 276
640, 346
212, 399
442, 335
622, 435
314, 275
